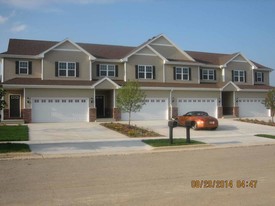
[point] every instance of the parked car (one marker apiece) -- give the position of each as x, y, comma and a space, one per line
199, 120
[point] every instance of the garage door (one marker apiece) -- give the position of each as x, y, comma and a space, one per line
208, 105
60, 110
154, 109
252, 107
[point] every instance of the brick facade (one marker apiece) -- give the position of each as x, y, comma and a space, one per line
236, 111
27, 115
92, 114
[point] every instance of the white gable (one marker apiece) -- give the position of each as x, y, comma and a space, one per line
67, 46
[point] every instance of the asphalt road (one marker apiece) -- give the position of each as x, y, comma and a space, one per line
152, 178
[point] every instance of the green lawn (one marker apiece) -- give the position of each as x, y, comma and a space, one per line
14, 147
266, 136
166, 142
14, 133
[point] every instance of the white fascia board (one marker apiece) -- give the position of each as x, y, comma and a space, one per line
232, 83
253, 66
109, 60
142, 47
179, 89
21, 86
158, 54
191, 64
105, 79
254, 90
91, 57
180, 50
15, 56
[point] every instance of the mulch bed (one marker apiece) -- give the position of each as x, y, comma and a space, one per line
255, 121
130, 130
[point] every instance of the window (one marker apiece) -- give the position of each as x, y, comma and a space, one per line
239, 75
182, 73
23, 67
66, 69
208, 74
145, 72
259, 77
107, 70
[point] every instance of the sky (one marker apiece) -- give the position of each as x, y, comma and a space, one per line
219, 26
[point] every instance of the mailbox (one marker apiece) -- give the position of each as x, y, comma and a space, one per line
188, 124
172, 123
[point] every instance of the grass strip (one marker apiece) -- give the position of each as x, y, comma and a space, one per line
14, 133
166, 142
266, 136
14, 147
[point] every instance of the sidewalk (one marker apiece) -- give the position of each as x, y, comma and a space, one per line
66, 139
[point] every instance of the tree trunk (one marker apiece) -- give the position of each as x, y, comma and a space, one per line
129, 119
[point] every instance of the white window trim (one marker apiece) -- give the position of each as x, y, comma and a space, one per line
145, 71
208, 74
23, 68
259, 75
66, 69
239, 75
188, 75
107, 70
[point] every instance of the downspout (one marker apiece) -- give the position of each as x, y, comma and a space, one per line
91, 68
42, 69
125, 69
114, 98
2, 80
171, 105
163, 67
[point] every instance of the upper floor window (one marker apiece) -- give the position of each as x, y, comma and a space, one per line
67, 69
259, 77
145, 72
239, 76
23, 67
182, 73
208, 74
107, 70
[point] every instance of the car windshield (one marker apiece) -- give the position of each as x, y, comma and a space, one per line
196, 114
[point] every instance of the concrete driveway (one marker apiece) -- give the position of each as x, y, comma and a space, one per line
60, 138
48, 132
229, 131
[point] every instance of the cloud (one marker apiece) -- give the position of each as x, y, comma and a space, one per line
3, 19
18, 28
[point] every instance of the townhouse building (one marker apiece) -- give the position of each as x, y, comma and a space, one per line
51, 81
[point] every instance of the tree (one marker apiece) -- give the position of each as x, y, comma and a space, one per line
269, 102
2, 101
130, 98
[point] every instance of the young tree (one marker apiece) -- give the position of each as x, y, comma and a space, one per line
130, 98
269, 102
2, 101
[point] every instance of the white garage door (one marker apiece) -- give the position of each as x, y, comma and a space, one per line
252, 107
60, 110
154, 109
208, 105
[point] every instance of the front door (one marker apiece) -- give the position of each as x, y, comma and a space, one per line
100, 106
15, 106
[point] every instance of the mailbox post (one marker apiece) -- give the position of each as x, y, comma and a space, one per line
188, 125
171, 125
